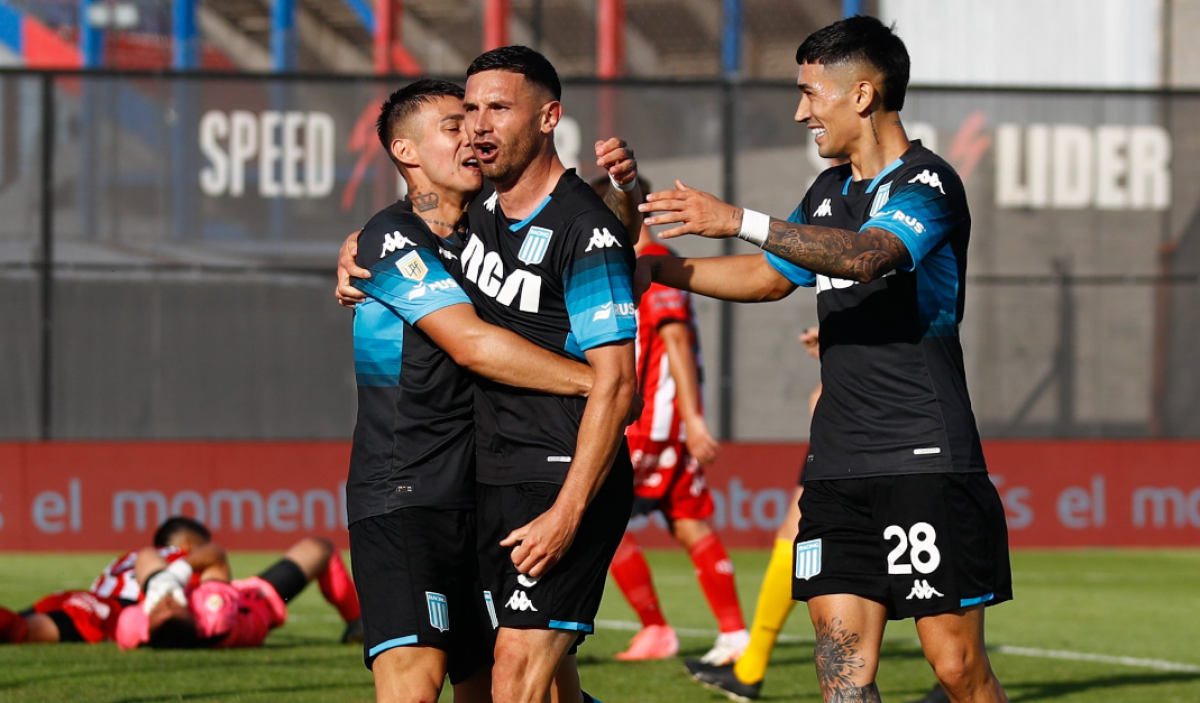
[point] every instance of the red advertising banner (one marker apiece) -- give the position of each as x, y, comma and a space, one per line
67, 496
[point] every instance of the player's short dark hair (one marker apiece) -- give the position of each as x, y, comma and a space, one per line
175, 633
403, 103
536, 68
866, 39
176, 524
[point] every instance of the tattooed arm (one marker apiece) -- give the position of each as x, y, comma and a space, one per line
838, 253
859, 256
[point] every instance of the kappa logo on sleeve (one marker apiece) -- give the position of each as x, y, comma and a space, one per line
930, 179
395, 242
825, 209
602, 239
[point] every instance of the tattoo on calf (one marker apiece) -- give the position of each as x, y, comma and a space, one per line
837, 657
866, 694
424, 202
838, 253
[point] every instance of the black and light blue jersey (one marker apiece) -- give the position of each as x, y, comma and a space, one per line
561, 278
414, 440
894, 397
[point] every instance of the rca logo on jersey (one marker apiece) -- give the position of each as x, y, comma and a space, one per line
411, 266
395, 242
602, 239
520, 601
424, 288
825, 209
606, 311
921, 590
929, 179
533, 249
486, 271
912, 222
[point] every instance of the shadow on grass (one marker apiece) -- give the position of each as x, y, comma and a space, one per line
1050, 690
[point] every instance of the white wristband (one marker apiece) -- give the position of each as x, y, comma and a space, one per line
181, 570
755, 227
623, 188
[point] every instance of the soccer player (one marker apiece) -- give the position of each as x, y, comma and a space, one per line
898, 517
411, 493
548, 260
669, 445
221, 613
91, 615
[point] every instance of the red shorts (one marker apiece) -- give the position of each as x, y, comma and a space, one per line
95, 617
667, 478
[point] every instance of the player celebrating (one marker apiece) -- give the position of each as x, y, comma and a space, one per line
546, 259
220, 613
411, 494
898, 517
669, 444
91, 615
419, 318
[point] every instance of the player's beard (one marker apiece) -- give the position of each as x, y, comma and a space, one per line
515, 156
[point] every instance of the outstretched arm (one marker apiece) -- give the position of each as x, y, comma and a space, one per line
838, 253
742, 279
498, 354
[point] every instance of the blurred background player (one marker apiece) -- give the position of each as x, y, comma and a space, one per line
91, 615
221, 613
743, 681
669, 445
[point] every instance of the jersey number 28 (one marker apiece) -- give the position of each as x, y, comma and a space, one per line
924, 555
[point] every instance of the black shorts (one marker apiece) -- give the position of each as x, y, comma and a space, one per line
921, 544
568, 596
416, 574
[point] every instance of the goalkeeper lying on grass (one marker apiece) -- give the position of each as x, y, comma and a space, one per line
217, 612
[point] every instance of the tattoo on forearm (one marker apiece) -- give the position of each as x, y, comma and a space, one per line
837, 657
838, 253
424, 202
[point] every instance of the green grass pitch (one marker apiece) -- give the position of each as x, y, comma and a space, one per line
1096, 625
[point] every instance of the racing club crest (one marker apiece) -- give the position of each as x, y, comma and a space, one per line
533, 249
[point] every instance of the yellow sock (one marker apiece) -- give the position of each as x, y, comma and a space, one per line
774, 605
